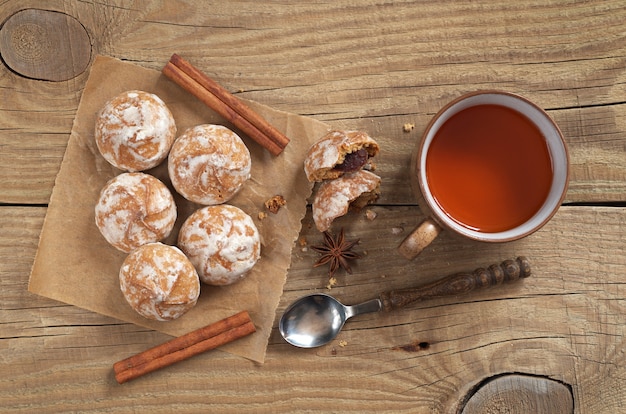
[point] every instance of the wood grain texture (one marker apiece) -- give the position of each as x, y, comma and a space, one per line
371, 66
364, 65
565, 322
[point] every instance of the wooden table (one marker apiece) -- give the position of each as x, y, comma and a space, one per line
553, 343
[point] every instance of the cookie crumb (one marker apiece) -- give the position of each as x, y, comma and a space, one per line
331, 282
370, 214
408, 127
262, 215
343, 343
275, 203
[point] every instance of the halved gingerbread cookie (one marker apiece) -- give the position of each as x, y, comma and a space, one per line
335, 197
338, 153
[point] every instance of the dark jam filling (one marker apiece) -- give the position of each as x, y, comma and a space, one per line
353, 161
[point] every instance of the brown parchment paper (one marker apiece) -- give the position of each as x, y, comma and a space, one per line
75, 265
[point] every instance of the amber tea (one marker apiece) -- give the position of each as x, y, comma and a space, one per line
489, 168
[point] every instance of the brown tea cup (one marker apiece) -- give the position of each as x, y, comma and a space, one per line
491, 166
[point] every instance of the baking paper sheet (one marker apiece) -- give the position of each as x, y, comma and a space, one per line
75, 265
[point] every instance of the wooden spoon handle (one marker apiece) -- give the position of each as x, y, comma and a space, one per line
507, 271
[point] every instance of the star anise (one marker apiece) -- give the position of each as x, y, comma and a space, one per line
336, 253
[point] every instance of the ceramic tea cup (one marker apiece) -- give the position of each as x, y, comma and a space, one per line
491, 166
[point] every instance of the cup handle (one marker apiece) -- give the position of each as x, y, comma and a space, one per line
419, 239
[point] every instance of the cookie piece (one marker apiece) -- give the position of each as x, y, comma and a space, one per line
222, 242
275, 203
335, 197
135, 131
338, 153
135, 209
159, 282
209, 164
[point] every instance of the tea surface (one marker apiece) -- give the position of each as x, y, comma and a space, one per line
489, 168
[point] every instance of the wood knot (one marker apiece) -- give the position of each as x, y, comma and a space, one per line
45, 45
30, 42
516, 392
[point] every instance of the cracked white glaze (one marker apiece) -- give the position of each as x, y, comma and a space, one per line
159, 282
222, 242
333, 198
209, 164
134, 209
135, 131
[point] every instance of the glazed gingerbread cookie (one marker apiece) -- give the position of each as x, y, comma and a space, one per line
135, 209
135, 131
335, 197
337, 153
339, 160
209, 164
159, 282
222, 242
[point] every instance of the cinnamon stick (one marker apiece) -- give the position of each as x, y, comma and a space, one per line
225, 104
184, 347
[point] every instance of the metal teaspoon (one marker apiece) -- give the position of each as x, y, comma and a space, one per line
315, 320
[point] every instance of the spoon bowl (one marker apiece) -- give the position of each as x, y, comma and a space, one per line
313, 320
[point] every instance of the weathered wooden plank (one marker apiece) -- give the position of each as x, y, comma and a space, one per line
368, 67
565, 322
371, 66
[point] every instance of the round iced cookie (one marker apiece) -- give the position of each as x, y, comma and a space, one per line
134, 209
159, 282
135, 130
209, 164
222, 242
